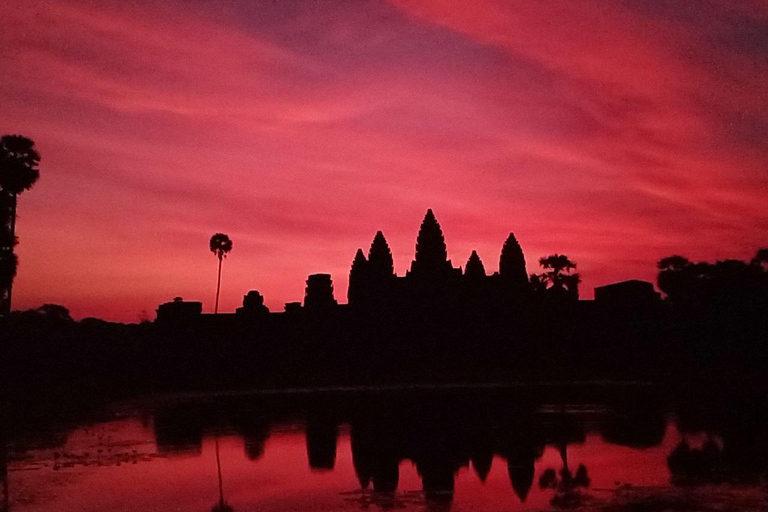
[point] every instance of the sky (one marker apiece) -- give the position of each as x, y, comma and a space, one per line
617, 132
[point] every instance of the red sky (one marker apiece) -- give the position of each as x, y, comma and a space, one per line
617, 132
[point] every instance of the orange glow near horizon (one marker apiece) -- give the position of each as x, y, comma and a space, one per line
616, 133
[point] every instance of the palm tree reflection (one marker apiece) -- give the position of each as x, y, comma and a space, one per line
567, 486
221, 506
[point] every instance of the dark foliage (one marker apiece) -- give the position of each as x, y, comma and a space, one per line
19, 162
220, 245
18, 172
558, 281
727, 281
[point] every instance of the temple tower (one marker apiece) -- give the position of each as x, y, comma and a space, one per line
319, 292
380, 263
431, 254
512, 264
358, 278
475, 268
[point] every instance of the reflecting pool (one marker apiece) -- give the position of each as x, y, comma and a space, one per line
460, 450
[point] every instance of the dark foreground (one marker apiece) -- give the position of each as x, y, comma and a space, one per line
600, 447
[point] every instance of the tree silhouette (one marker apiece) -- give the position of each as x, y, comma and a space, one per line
18, 172
54, 312
537, 285
558, 276
678, 277
8, 264
686, 282
220, 245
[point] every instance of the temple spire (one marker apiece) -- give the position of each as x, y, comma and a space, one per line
357, 278
380, 262
430, 243
475, 267
431, 254
512, 262
359, 260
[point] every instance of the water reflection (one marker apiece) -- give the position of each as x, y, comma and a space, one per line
4, 497
454, 452
222, 505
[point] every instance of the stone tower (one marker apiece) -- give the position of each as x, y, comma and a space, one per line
319, 292
431, 254
512, 264
380, 263
358, 278
475, 268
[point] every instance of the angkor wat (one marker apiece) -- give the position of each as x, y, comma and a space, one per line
432, 286
433, 281
435, 324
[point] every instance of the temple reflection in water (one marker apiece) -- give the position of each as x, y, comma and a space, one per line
440, 436
487, 448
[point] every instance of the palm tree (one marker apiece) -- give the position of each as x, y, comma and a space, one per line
558, 274
8, 264
18, 172
220, 245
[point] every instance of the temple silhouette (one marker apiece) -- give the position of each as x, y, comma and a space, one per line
432, 280
438, 323
431, 287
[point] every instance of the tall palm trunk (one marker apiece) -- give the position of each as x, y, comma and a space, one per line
564, 457
13, 219
8, 238
9, 292
218, 287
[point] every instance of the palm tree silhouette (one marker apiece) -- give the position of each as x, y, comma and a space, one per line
8, 265
220, 245
18, 172
558, 274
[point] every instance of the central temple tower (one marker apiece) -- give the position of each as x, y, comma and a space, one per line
431, 259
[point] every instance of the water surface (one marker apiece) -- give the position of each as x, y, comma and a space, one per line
409, 451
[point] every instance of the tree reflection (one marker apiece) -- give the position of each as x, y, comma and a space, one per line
221, 506
567, 486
